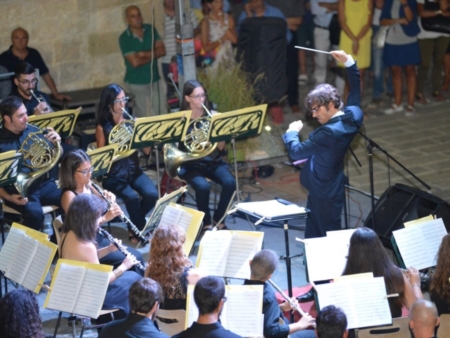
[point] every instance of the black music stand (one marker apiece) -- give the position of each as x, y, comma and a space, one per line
237, 125
155, 130
10, 164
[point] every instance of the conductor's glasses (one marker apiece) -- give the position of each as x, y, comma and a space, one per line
313, 110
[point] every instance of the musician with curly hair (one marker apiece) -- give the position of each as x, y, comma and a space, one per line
169, 266
440, 285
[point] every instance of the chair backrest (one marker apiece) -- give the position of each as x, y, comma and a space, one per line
57, 224
398, 329
165, 319
444, 326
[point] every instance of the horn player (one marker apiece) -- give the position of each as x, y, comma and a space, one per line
43, 191
211, 166
125, 178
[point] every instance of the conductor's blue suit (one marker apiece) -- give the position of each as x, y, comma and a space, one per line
322, 175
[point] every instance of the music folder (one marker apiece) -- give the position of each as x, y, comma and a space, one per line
102, 159
62, 121
10, 164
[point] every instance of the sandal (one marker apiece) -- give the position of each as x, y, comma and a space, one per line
439, 97
421, 99
222, 226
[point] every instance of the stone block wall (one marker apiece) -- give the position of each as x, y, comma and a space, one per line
78, 39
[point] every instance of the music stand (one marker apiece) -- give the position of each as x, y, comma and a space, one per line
102, 159
155, 130
237, 125
62, 121
10, 164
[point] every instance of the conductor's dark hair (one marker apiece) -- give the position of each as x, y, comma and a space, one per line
82, 216
23, 68
263, 264
69, 164
366, 254
331, 322
322, 95
144, 294
107, 98
9, 106
188, 88
19, 315
208, 293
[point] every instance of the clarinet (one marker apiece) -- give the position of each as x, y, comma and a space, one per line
119, 247
133, 228
294, 305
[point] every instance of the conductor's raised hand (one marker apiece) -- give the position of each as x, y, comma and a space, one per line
295, 126
339, 55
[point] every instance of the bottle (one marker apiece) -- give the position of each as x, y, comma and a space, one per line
48, 229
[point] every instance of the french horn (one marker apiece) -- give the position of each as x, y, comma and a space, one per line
121, 135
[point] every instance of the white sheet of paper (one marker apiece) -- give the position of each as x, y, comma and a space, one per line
363, 301
420, 243
214, 256
10, 246
172, 215
38, 268
22, 259
271, 208
242, 249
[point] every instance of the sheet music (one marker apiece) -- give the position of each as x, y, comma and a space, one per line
65, 288
191, 307
419, 244
326, 257
92, 293
22, 259
10, 246
172, 215
362, 308
38, 268
214, 252
242, 249
269, 209
242, 310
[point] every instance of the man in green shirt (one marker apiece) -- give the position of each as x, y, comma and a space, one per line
141, 46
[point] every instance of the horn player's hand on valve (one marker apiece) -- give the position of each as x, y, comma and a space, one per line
52, 135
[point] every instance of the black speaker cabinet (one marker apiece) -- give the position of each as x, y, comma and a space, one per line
400, 204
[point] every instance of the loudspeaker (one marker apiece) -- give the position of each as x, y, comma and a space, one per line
400, 204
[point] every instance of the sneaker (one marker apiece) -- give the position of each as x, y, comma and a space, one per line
394, 109
302, 78
410, 111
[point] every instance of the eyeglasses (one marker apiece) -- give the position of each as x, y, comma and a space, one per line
28, 82
313, 110
85, 172
123, 100
199, 96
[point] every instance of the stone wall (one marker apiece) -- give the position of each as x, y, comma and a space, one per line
78, 39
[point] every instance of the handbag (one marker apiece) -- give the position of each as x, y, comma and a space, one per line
438, 23
380, 37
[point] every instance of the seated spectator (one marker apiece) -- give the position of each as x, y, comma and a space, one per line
5, 83
209, 295
331, 322
262, 267
26, 81
19, 315
145, 297
424, 319
169, 266
19, 52
440, 284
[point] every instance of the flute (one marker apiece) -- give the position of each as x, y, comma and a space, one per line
119, 247
133, 228
293, 304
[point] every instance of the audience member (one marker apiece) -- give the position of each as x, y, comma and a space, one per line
440, 284
432, 47
20, 52
401, 50
305, 38
145, 297
169, 266
209, 296
19, 315
446, 83
141, 46
424, 319
367, 254
262, 266
43, 191
218, 34
26, 81
5, 83
331, 322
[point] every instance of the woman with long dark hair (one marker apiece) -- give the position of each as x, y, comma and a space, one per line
211, 166
440, 284
75, 179
19, 315
125, 178
367, 254
78, 243
169, 266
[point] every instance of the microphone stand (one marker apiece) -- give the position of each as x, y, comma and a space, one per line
370, 145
